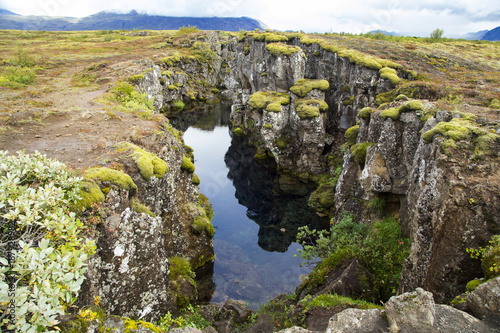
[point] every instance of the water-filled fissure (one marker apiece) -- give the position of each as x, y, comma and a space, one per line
255, 224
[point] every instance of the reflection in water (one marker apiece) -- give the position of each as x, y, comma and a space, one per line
256, 226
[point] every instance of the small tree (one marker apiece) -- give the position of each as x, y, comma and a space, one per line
42, 247
437, 35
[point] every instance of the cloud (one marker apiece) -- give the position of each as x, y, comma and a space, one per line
414, 17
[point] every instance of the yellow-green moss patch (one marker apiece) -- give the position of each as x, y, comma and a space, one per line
392, 113
351, 135
138, 207
456, 129
90, 193
279, 48
390, 74
309, 108
187, 164
365, 113
115, 177
269, 100
303, 86
358, 151
148, 164
196, 180
495, 104
411, 106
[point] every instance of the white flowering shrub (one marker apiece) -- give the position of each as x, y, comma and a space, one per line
47, 268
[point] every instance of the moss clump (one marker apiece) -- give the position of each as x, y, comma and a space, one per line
136, 78
495, 104
196, 180
90, 193
323, 198
187, 164
268, 126
173, 58
390, 74
260, 155
365, 113
277, 49
238, 131
172, 87
472, 285
138, 207
303, 86
269, 100
358, 151
149, 164
392, 113
309, 108
115, 177
180, 268
201, 224
456, 129
351, 134
282, 142
411, 106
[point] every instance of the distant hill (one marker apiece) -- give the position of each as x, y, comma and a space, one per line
387, 33
493, 35
474, 35
129, 21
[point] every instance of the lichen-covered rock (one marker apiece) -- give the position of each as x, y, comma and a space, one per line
295, 329
415, 309
484, 301
358, 321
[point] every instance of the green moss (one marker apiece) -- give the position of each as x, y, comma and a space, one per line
411, 106
390, 74
90, 193
456, 129
282, 142
148, 164
196, 180
472, 285
309, 108
282, 49
172, 87
358, 151
180, 268
303, 86
333, 301
273, 38
173, 58
115, 177
167, 73
392, 113
351, 134
138, 207
136, 78
187, 164
260, 155
323, 198
238, 131
365, 113
401, 97
348, 101
201, 224
269, 100
491, 258
268, 126
385, 98
495, 104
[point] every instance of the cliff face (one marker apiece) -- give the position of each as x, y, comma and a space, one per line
130, 271
293, 101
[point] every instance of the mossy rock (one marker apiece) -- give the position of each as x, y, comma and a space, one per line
303, 86
392, 113
115, 177
271, 101
351, 135
282, 142
309, 108
277, 49
138, 207
149, 164
187, 165
201, 224
323, 198
472, 285
90, 193
135, 79
196, 179
390, 74
238, 131
358, 152
491, 259
411, 106
365, 113
456, 129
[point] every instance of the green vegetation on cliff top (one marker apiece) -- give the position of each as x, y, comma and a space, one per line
303, 86
269, 100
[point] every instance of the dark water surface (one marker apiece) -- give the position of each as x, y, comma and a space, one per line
255, 228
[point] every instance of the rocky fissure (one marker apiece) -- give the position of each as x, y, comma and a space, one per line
444, 190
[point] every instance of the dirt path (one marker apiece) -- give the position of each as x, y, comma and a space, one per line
66, 122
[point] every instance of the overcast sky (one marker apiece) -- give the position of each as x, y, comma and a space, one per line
412, 17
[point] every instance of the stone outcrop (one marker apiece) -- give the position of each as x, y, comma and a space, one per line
144, 225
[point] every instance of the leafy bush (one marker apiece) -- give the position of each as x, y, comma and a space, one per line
50, 249
126, 98
380, 246
490, 257
186, 30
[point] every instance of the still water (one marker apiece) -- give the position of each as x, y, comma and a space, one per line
255, 229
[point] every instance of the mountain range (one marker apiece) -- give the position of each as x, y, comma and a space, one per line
132, 20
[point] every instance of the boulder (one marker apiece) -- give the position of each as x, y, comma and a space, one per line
411, 310
484, 301
358, 321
